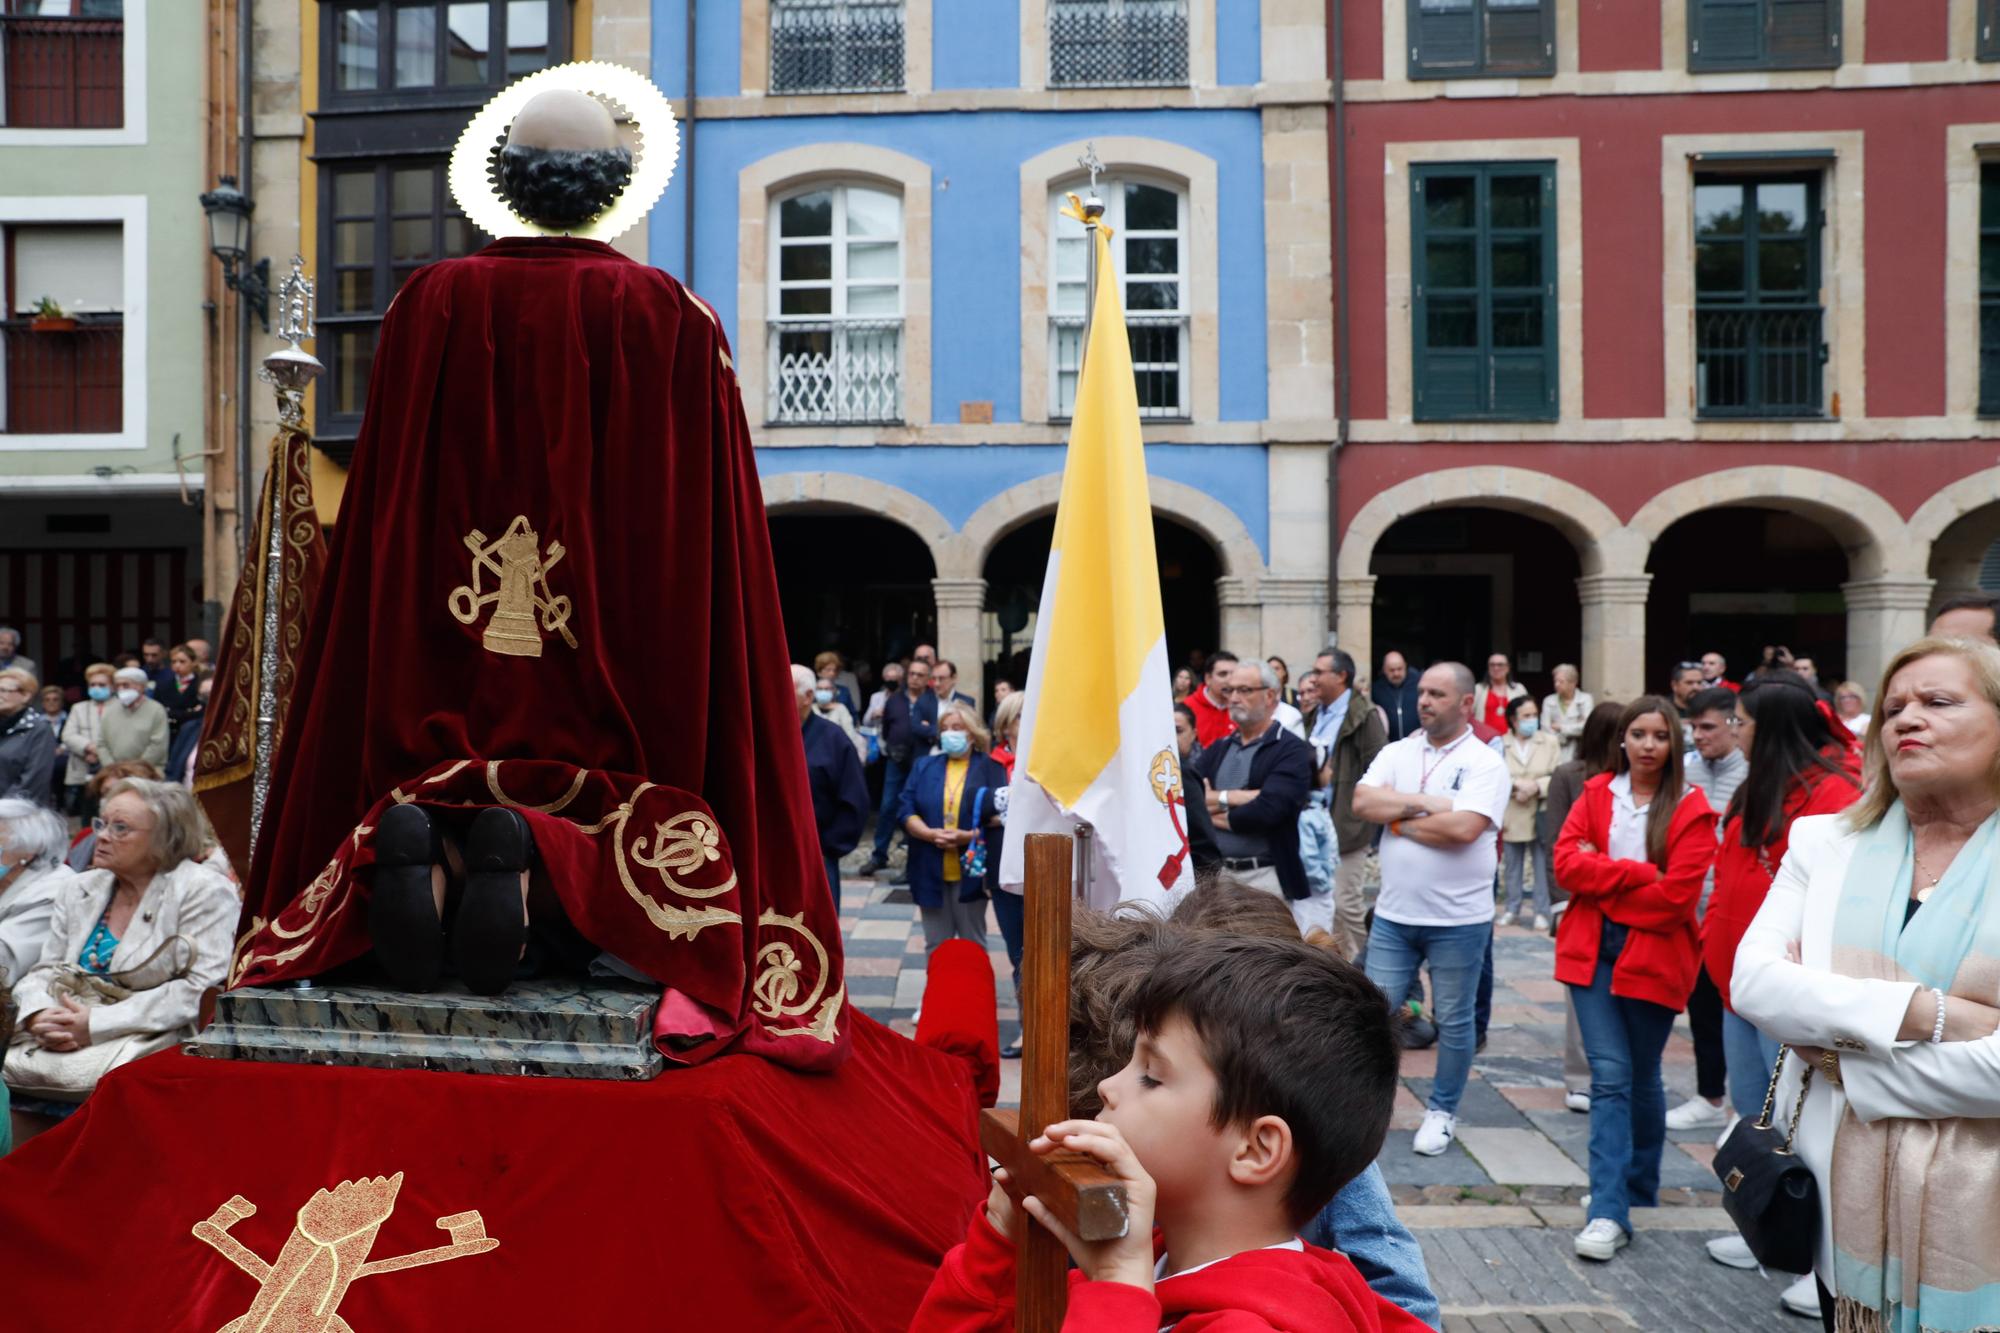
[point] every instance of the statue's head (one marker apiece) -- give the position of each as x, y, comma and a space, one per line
563, 163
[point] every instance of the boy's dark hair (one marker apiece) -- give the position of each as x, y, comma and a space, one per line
1713, 700
562, 187
1292, 1031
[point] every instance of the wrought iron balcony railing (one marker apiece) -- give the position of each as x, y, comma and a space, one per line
1159, 364
1118, 43
64, 383
836, 46
1759, 361
836, 371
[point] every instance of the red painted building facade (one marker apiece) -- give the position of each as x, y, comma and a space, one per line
1663, 332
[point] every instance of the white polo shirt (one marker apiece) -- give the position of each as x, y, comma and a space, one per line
1430, 886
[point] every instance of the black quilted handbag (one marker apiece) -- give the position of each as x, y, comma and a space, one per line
1766, 1190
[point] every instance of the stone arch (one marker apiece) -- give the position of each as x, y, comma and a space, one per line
1184, 504
1867, 526
1586, 520
761, 182
1953, 530
861, 495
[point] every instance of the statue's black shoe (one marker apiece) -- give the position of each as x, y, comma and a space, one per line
491, 926
402, 913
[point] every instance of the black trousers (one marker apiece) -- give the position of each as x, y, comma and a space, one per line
1711, 1073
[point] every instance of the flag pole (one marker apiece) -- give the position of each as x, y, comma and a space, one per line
1093, 216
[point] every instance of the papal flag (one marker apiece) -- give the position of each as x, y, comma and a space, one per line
1097, 731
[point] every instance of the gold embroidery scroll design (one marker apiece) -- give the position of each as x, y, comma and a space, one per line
327, 1252
679, 923
683, 844
520, 572
775, 994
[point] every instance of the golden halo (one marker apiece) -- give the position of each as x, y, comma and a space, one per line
657, 149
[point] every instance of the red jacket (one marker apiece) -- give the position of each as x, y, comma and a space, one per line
1211, 721
1743, 874
1662, 952
1258, 1291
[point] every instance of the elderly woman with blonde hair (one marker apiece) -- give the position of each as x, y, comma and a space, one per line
27, 745
948, 805
134, 943
1876, 958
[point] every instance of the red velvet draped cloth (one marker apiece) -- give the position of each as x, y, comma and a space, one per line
552, 569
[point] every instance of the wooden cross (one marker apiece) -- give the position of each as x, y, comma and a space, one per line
1083, 1195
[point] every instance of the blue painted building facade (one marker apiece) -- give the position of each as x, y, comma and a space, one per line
874, 220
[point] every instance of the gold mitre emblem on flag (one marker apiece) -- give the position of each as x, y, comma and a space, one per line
632, 99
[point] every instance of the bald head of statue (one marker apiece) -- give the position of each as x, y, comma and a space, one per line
563, 163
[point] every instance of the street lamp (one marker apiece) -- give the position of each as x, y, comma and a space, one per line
228, 210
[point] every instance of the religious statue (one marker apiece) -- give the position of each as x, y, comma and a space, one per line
544, 717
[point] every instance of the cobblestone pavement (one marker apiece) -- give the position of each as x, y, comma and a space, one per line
1497, 1211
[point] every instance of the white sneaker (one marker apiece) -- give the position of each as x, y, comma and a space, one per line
1578, 1102
1436, 1133
1507, 918
1732, 1252
1723, 1137
1802, 1297
1541, 924
1601, 1239
1697, 1113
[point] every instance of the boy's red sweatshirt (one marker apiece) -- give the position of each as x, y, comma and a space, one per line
1283, 1291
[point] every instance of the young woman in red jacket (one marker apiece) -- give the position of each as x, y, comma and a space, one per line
1633, 854
1799, 765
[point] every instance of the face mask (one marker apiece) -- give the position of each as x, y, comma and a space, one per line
100, 692
128, 696
1530, 725
955, 743
822, 696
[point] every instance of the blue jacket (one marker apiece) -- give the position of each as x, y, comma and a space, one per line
1281, 772
1398, 704
923, 796
839, 789
909, 730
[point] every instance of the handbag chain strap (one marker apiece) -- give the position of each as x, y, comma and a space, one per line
1771, 1096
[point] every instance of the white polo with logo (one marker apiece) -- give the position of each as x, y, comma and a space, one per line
1434, 886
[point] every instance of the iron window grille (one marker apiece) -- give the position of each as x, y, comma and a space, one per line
1118, 43
1763, 34
1452, 39
836, 46
1149, 231
836, 324
1483, 313
1989, 289
384, 221
63, 66
1760, 348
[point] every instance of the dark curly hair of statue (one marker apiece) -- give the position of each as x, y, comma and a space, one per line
563, 188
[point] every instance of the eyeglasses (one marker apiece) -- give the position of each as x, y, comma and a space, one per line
115, 830
1246, 689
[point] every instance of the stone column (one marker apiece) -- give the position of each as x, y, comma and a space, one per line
1354, 623
961, 604
1294, 620
1614, 634
1884, 614
1242, 617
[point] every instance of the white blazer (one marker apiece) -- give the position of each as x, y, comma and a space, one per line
1808, 1003
189, 900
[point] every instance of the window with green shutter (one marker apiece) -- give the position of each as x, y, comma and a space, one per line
1989, 30
1989, 289
1759, 339
1483, 252
1763, 34
1452, 39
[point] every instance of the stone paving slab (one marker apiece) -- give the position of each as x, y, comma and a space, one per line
1520, 1157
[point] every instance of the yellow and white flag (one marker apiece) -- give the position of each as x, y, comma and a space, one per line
1097, 730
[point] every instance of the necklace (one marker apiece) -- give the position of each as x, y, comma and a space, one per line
1924, 893
1424, 781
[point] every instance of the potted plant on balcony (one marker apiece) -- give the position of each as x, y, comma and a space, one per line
51, 318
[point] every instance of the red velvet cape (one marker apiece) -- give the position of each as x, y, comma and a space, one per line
735, 1197
555, 384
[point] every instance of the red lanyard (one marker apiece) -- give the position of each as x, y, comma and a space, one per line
1424, 782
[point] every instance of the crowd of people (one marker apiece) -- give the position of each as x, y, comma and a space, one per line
118, 909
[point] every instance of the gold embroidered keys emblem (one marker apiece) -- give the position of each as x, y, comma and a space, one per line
327, 1253
519, 570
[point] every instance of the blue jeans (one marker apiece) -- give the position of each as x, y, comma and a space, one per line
1454, 955
1513, 865
1623, 1040
833, 881
894, 775
1361, 1223
1482, 1006
1009, 909
1750, 1055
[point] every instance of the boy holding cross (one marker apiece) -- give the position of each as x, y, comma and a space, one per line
1260, 1084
